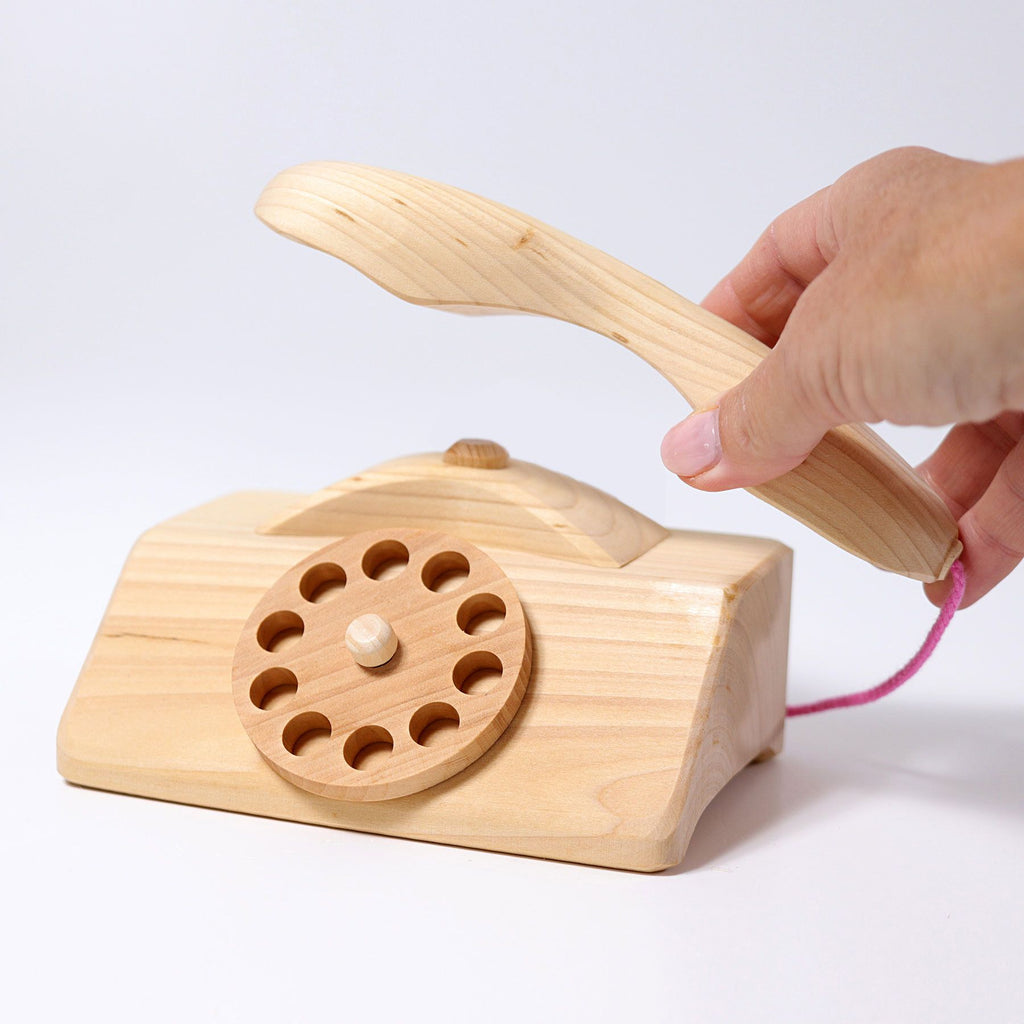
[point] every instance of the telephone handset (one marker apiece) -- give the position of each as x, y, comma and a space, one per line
439, 246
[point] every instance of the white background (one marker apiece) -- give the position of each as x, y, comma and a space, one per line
161, 347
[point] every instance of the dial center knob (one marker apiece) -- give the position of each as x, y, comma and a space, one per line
371, 640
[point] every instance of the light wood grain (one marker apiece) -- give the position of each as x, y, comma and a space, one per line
652, 685
439, 246
393, 707
521, 506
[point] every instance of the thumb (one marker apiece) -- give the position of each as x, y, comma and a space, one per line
763, 427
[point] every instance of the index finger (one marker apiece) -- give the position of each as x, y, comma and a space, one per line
760, 293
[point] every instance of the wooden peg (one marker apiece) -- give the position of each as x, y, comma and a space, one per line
371, 640
477, 454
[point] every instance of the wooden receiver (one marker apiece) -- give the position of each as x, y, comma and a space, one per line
442, 247
628, 674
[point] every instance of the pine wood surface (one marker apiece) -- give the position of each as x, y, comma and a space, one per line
652, 685
439, 246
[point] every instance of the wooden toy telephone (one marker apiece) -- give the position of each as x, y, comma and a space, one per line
462, 647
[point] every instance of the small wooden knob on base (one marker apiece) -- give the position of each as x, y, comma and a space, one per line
476, 453
371, 640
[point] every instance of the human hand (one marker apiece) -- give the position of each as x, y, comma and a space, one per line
895, 294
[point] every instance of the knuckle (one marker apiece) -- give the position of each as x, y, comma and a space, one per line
1010, 390
1013, 476
812, 369
912, 153
741, 426
986, 537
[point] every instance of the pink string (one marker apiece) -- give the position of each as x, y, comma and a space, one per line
931, 641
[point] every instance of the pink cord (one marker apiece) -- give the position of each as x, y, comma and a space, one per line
931, 641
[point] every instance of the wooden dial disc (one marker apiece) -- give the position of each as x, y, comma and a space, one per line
340, 729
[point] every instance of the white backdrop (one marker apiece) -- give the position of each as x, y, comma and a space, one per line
161, 347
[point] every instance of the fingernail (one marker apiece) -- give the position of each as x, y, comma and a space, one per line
692, 447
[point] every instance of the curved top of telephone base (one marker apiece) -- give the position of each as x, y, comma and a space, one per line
518, 506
